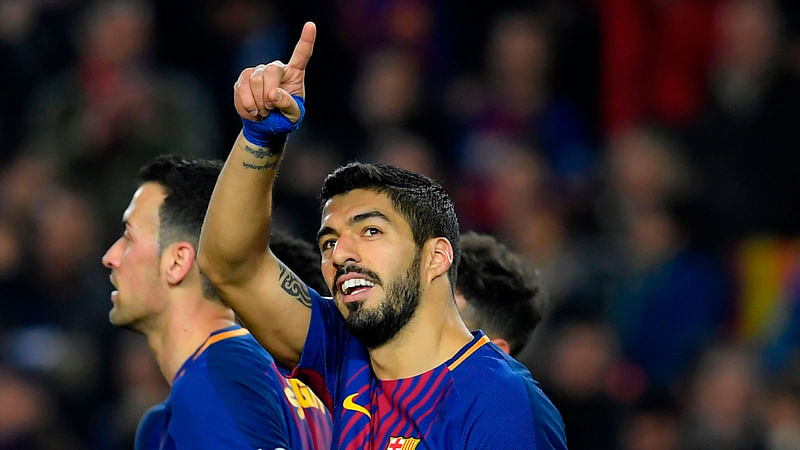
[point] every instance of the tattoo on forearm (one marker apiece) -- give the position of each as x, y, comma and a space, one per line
294, 287
258, 152
269, 165
262, 153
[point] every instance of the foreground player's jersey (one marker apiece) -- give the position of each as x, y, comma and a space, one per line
230, 394
479, 399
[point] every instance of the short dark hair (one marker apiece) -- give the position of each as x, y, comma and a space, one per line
421, 201
300, 257
188, 185
503, 295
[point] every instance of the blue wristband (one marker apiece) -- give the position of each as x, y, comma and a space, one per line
272, 131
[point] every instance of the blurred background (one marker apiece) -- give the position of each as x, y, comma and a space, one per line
642, 154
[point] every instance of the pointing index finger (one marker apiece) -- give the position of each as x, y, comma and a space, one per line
304, 48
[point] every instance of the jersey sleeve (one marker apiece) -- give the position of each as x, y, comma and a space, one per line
231, 405
549, 426
500, 425
324, 348
508, 423
151, 428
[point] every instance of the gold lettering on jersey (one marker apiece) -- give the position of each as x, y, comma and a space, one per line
301, 397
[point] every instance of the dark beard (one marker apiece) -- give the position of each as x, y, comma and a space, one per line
375, 327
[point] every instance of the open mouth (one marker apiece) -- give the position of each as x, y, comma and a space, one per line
356, 285
355, 288
115, 292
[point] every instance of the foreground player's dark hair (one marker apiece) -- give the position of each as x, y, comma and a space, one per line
420, 200
301, 257
189, 185
504, 297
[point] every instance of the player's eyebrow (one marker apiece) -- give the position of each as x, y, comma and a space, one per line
353, 220
323, 231
368, 215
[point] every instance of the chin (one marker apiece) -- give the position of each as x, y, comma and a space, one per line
113, 317
119, 320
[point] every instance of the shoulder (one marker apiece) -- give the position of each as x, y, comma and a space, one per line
237, 353
151, 427
232, 369
501, 394
239, 367
233, 392
488, 368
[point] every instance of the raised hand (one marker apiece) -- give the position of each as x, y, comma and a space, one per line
264, 88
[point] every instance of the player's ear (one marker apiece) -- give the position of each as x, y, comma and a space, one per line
177, 261
503, 344
440, 253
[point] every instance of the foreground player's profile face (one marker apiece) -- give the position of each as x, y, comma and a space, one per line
371, 264
134, 260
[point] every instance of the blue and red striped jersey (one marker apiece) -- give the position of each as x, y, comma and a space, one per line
230, 394
480, 398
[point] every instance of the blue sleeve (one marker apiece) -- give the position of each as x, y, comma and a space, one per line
151, 428
549, 426
230, 405
323, 350
500, 425
509, 423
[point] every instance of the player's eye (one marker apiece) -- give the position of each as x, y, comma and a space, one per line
327, 244
372, 231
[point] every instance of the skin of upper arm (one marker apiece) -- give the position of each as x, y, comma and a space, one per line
275, 305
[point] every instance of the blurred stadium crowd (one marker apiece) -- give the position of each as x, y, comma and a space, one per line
642, 154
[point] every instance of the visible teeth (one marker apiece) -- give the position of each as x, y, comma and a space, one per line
348, 285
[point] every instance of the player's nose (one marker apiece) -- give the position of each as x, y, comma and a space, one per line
111, 258
345, 251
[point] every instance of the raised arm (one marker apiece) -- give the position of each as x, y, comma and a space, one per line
234, 244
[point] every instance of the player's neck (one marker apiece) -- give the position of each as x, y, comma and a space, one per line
431, 337
188, 323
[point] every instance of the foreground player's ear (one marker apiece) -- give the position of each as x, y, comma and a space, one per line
179, 259
441, 257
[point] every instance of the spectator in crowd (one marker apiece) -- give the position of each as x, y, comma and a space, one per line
579, 366
740, 142
515, 101
114, 110
723, 403
669, 296
30, 418
652, 424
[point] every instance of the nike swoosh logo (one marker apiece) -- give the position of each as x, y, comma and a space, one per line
353, 406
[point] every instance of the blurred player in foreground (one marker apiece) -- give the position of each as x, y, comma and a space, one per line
389, 353
496, 293
226, 391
